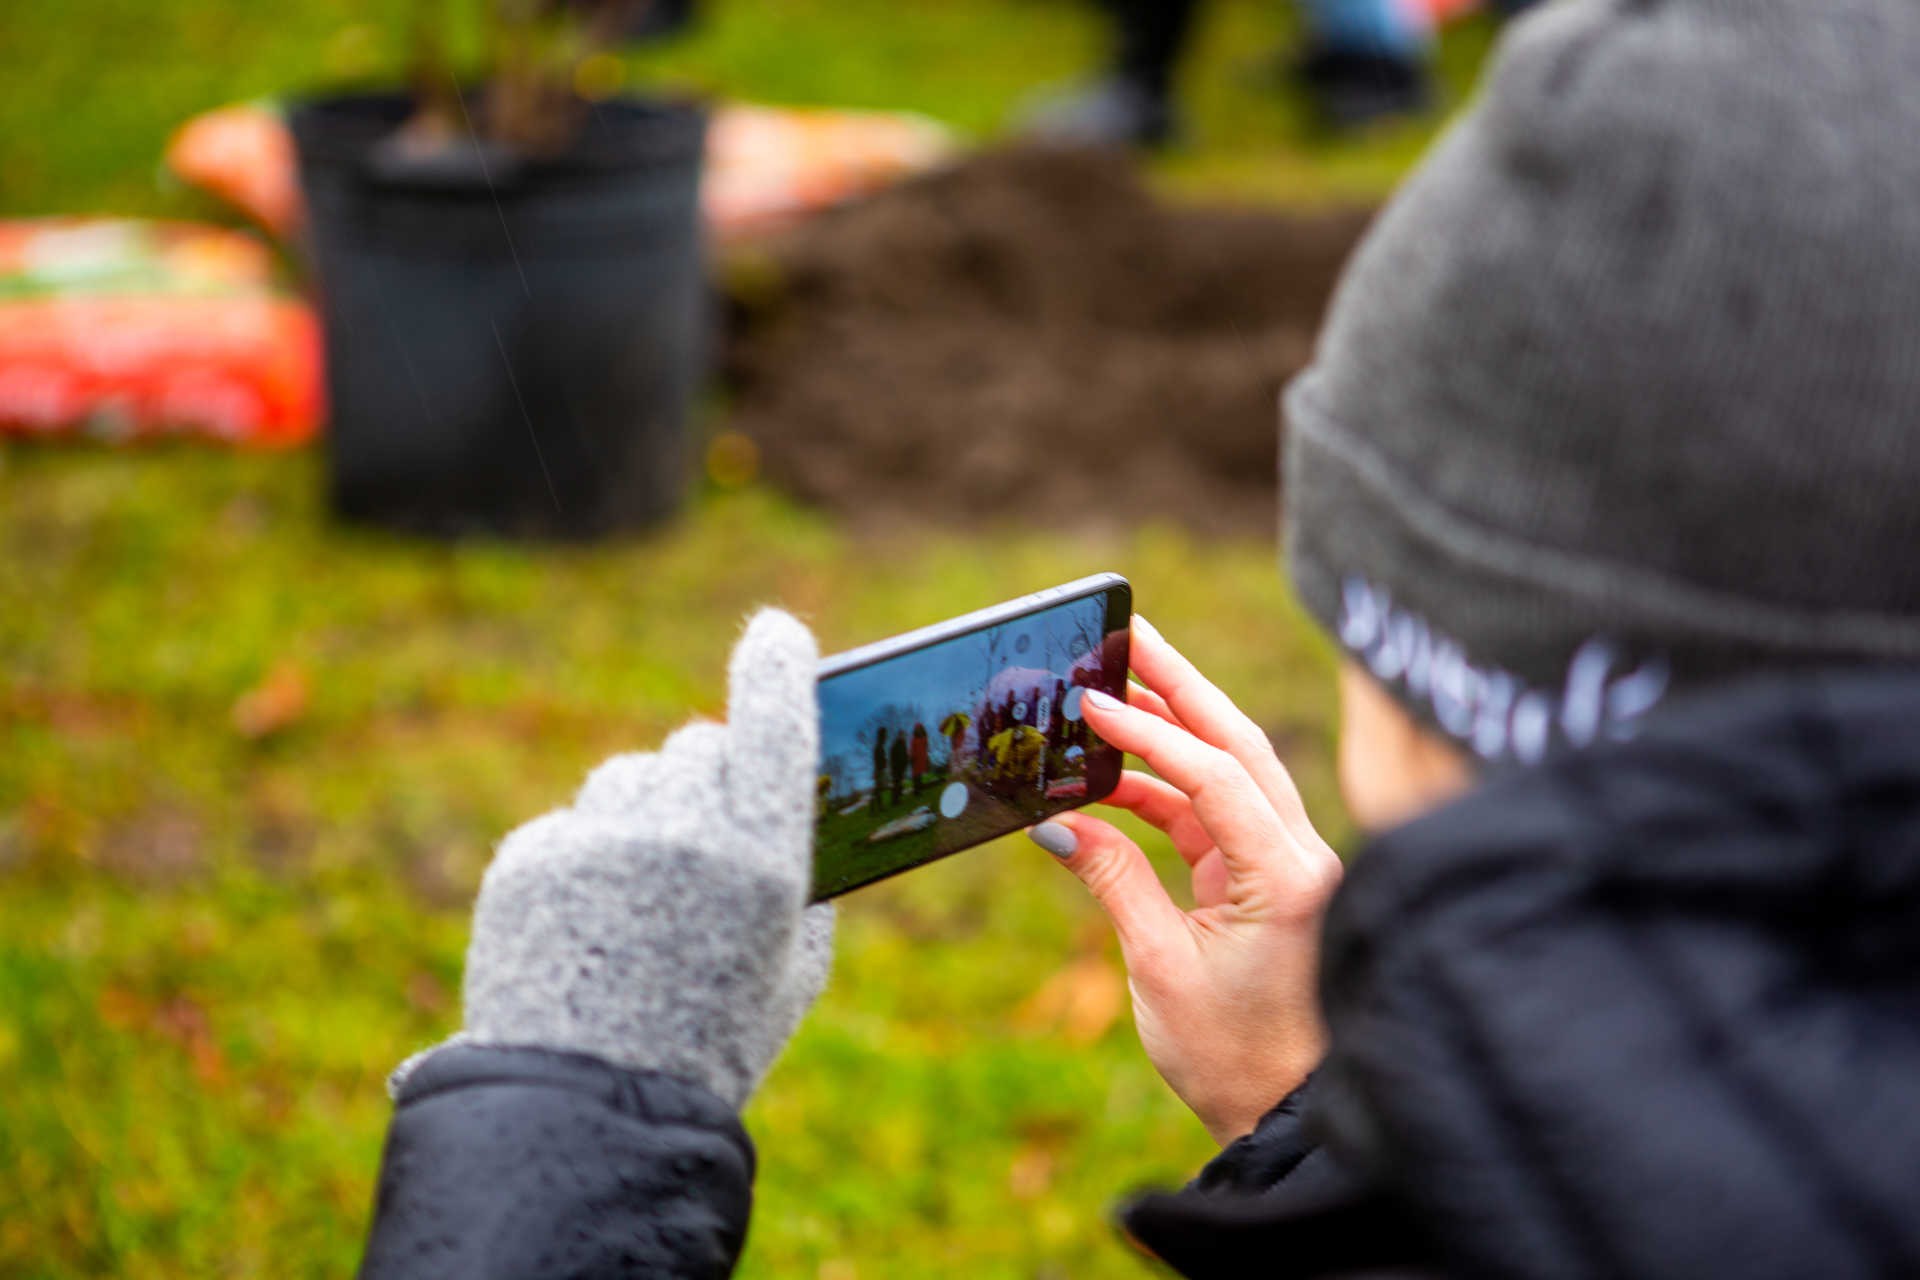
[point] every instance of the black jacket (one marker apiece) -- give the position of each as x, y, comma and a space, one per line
1648, 1011
1651, 1010
521, 1163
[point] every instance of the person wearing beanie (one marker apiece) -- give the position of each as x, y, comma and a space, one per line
1600, 481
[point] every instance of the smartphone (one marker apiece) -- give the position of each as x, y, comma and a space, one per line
949, 736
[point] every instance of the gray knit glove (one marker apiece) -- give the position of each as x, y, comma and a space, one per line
661, 923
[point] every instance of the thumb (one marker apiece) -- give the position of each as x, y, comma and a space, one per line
773, 725
809, 961
1118, 875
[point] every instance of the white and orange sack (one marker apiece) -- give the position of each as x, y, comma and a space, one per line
132, 330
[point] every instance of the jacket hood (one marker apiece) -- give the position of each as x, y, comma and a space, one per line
1651, 1009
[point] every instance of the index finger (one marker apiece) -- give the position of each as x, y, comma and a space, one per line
1211, 716
1225, 799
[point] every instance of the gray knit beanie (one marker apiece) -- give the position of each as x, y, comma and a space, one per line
1621, 395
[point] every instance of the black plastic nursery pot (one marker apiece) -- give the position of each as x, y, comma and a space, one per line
513, 345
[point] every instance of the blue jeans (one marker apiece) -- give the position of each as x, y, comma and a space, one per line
1381, 28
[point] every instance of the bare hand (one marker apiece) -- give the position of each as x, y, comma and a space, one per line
1224, 994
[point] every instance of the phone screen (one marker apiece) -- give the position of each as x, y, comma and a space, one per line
949, 741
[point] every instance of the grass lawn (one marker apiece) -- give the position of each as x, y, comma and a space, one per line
252, 764
844, 851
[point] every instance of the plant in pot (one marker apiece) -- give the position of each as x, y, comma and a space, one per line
511, 285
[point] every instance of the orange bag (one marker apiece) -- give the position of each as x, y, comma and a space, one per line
766, 166
129, 330
244, 155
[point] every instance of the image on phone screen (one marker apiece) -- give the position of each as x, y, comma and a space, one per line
942, 741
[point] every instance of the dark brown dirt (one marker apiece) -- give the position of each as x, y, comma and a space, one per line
1031, 337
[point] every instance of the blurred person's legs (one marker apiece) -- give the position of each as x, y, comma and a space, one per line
1366, 60
637, 22
1369, 60
1398, 29
1132, 104
1151, 36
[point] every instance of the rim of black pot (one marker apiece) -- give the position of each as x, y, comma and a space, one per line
344, 130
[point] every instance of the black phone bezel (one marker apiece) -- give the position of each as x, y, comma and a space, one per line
1103, 773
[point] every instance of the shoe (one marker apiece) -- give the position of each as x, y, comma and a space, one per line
1111, 112
1351, 90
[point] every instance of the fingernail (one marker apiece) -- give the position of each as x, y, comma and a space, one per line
1056, 838
1104, 701
1140, 622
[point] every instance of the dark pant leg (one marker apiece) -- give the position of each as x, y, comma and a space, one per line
1151, 36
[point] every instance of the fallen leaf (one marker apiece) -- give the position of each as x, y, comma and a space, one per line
1081, 1002
184, 1021
1031, 1174
121, 1008
276, 703
426, 992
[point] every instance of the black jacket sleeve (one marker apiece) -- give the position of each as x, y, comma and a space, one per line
1277, 1202
1279, 1148
519, 1162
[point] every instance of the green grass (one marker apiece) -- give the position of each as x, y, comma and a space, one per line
94, 87
213, 944
845, 854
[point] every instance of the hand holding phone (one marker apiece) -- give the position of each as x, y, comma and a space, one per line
1224, 993
965, 731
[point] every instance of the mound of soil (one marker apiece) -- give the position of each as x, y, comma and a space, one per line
1031, 336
